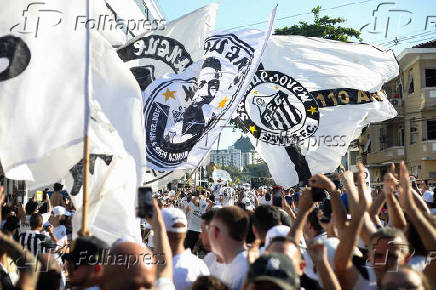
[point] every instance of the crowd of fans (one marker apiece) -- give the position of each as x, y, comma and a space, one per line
335, 233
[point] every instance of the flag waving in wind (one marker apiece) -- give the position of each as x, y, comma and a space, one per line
171, 50
185, 112
310, 98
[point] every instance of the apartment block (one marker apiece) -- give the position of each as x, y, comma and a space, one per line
411, 136
227, 157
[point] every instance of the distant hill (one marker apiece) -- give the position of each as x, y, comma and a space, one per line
243, 144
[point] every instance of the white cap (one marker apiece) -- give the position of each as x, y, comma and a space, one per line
172, 193
60, 210
276, 231
172, 216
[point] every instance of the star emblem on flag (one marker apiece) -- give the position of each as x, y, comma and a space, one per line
252, 129
222, 103
312, 110
169, 94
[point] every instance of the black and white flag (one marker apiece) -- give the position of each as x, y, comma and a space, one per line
170, 49
310, 98
185, 112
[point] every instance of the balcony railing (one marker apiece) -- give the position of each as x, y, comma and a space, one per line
429, 148
394, 153
429, 94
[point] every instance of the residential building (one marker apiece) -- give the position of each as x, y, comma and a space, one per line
227, 157
411, 136
250, 157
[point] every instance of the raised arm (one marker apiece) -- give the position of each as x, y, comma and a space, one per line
345, 270
305, 206
396, 215
161, 244
375, 209
339, 211
318, 253
368, 227
419, 218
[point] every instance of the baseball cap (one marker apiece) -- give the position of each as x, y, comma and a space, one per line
86, 251
60, 210
173, 216
276, 231
276, 268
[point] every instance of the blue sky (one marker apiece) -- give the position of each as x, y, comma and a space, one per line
410, 21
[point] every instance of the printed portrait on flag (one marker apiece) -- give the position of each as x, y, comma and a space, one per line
179, 112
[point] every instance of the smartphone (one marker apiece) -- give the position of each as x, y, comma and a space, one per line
38, 195
327, 211
288, 199
145, 202
318, 194
337, 183
277, 197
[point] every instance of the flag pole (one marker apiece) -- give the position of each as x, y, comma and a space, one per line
84, 231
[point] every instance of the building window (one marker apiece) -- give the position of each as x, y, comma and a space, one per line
410, 86
431, 130
401, 137
413, 132
399, 90
382, 139
430, 77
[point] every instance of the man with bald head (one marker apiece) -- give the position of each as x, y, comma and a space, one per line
130, 266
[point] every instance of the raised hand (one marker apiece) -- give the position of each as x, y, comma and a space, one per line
323, 182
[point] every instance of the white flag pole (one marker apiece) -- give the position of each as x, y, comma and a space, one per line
84, 231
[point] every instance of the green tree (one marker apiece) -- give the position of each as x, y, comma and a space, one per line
324, 27
257, 170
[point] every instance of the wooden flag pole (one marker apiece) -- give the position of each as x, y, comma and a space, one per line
84, 231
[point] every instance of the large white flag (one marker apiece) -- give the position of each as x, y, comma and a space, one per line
117, 146
42, 77
43, 53
310, 98
169, 49
185, 112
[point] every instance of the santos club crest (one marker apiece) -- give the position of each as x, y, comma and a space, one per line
181, 110
278, 110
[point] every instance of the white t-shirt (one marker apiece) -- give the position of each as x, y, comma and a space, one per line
233, 274
250, 196
211, 262
203, 205
186, 268
60, 233
194, 218
262, 200
428, 196
228, 194
362, 283
216, 189
183, 204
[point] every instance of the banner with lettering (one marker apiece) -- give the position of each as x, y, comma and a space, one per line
171, 48
185, 112
310, 98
